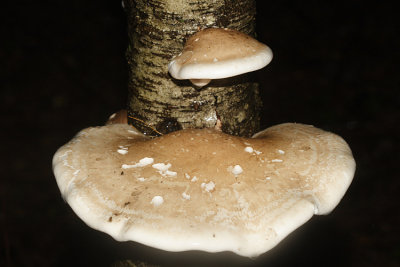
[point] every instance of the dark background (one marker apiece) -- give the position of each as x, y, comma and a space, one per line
63, 69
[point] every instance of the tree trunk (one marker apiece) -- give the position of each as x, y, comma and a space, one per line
157, 103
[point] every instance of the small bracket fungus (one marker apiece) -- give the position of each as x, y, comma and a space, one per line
203, 206
217, 53
119, 117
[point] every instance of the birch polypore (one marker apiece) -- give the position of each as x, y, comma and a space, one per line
201, 189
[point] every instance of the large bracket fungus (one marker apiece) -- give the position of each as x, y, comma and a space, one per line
201, 189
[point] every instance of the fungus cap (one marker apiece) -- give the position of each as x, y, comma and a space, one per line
201, 189
120, 116
217, 53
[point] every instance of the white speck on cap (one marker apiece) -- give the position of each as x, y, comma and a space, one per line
249, 149
145, 161
157, 201
170, 173
236, 170
122, 151
208, 186
161, 166
142, 163
127, 166
163, 169
185, 196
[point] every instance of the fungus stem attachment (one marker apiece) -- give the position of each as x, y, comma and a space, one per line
200, 82
142, 123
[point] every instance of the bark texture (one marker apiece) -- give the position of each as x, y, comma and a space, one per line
157, 103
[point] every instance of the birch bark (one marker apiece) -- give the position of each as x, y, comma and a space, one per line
157, 30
